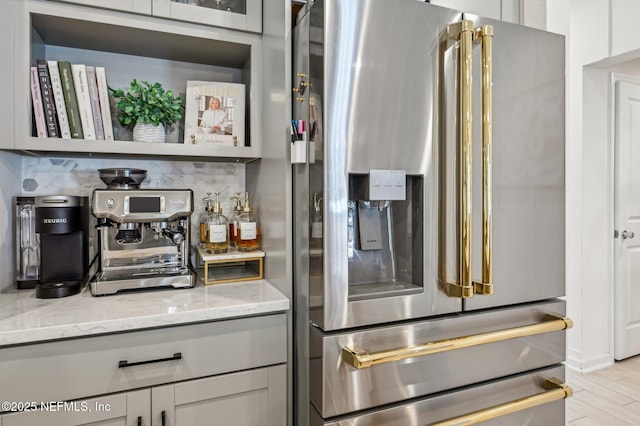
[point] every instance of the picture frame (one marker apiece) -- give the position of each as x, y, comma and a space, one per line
214, 113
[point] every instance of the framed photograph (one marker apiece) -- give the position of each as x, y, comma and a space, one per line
214, 113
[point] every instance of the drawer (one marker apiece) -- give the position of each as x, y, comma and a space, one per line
530, 399
78, 368
337, 387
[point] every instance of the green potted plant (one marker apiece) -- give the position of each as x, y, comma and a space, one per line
148, 108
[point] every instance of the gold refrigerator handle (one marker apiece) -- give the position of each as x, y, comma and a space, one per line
485, 34
359, 358
556, 391
463, 31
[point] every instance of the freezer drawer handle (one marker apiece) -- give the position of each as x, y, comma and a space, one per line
359, 358
557, 390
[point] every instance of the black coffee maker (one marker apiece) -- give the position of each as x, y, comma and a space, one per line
62, 222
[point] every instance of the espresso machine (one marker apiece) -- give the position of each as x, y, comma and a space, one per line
144, 235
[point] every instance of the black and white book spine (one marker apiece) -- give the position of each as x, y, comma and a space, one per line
50, 115
105, 109
38, 108
95, 102
58, 98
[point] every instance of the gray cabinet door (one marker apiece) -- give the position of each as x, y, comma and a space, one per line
243, 15
248, 398
122, 409
135, 6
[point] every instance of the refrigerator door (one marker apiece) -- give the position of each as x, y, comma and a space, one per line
368, 90
418, 358
528, 211
503, 402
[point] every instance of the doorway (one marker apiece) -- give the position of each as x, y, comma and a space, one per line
626, 212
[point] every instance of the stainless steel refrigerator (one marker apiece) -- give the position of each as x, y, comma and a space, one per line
428, 218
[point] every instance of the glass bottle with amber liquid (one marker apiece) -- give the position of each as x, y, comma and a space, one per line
204, 219
233, 221
248, 230
216, 228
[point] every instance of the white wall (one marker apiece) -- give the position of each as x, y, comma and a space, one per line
602, 39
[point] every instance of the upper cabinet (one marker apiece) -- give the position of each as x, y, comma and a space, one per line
133, 6
624, 37
243, 15
134, 46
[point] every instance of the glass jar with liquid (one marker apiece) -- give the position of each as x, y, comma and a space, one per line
248, 228
233, 221
215, 227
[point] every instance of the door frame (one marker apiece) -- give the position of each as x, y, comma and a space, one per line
615, 78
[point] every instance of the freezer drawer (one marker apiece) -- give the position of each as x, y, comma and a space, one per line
414, 359
502, 402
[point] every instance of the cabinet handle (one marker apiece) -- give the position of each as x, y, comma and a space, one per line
139, 420
124, 363
164, 417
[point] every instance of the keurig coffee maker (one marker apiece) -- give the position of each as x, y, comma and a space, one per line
62, 223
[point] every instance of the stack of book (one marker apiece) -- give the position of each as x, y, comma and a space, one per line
70, 101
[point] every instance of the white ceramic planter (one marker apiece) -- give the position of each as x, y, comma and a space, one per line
143, 132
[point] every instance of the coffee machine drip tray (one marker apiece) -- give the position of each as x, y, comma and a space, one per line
111, 282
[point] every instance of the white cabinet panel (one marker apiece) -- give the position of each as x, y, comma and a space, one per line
624, 32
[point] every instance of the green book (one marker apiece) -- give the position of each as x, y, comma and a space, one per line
71, 103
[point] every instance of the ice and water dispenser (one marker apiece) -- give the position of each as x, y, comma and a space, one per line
385, 234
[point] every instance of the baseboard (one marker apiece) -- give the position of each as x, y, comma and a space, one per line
577, 362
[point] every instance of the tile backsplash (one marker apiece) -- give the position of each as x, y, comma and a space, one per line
79, 176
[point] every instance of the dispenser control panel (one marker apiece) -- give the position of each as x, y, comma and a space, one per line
387, 184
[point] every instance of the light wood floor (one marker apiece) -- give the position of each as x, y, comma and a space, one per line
608, 397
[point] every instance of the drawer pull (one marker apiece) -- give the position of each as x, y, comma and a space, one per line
556, 391
164, 418
139, 420
359, 358
124, 363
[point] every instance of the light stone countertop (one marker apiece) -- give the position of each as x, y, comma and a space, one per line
27, 319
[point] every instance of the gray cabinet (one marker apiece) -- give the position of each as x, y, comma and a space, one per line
245, 15
122, 409
247, 398
190, 370
131, 46
134, 6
